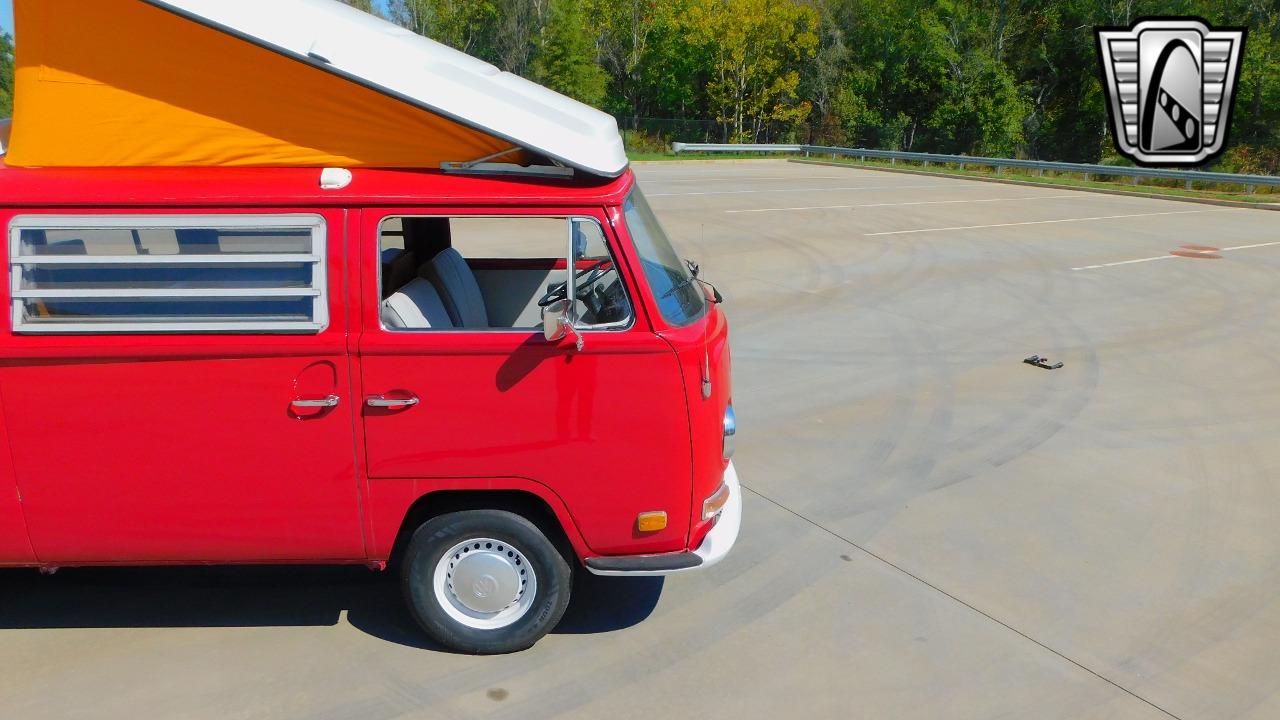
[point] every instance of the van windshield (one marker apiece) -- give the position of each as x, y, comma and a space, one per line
680, 297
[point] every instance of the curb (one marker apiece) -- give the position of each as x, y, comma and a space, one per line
1005, 181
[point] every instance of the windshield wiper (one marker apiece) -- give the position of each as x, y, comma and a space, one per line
716, 297
677, 287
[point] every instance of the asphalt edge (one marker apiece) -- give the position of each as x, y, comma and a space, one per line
1006, 181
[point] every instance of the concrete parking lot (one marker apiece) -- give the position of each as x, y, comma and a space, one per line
933, 528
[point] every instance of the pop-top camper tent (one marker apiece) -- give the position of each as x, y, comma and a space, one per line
298, 83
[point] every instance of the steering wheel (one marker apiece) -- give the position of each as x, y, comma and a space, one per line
583, 278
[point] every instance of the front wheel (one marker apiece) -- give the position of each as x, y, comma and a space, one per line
485, 581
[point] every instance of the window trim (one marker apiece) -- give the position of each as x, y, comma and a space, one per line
610, 243
318, 290
616, 325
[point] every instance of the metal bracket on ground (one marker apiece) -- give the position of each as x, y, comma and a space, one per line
1042, 362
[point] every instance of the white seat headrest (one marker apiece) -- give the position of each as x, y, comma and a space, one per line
416, 306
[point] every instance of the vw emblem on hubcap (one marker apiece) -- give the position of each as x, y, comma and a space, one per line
485, 586
485, 583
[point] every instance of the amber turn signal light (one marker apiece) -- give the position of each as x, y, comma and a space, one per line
651, 521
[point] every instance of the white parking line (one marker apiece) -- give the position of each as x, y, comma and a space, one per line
1043, 222
810, 190
1246, 247
1125, 262
1167, 257
899, 204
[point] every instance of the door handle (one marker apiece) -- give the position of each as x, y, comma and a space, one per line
324, 402
382, 401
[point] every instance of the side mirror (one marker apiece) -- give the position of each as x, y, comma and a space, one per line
556, 323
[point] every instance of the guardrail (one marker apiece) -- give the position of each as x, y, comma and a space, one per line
1250, 182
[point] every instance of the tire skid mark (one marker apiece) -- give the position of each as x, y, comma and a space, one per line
662, 653
1004, 439
761, 575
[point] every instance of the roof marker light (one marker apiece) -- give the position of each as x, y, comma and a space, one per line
335, 178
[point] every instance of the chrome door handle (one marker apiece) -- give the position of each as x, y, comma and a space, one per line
382, 401
324, 402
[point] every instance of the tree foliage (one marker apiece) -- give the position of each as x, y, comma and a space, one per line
566, 60
6, 75
754, 49
503, 32
983, 77
365, 5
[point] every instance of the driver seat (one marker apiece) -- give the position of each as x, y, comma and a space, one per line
459, 291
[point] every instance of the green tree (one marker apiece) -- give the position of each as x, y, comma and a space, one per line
923, 75
6, 75
1256, 122
503, 32
1055, 60
893, 74
991, 77
566, 60
983, 106
463, 24
629, 37
755, 48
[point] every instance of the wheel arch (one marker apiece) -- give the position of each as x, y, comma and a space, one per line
533, 502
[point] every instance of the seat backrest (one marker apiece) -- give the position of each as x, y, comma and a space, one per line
416, 306
398, 268
449, 272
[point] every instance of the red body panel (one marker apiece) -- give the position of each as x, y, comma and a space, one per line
15, 545
388, 506
279, 187
604, 429
183, 448
703, 351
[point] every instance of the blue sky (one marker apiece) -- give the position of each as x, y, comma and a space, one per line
6, 13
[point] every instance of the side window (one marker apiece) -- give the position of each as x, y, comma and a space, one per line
450, 273
168, 274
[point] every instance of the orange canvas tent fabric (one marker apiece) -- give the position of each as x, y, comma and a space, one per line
120, 83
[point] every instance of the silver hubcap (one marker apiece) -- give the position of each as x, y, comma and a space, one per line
485, 580
485, 583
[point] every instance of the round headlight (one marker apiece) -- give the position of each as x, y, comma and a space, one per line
730, 430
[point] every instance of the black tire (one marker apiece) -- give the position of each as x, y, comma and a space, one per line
438, 535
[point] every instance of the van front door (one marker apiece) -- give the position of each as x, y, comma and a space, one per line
463, 391
176, 388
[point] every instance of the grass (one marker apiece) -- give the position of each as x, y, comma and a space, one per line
1072, 180
1262, 197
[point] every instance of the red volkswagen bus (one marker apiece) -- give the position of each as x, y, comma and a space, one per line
494, 373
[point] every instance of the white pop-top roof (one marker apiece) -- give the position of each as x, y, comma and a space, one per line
386, 57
